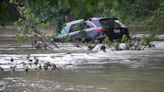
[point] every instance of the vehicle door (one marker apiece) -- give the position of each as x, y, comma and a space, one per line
82, 30
74, 31
90, 30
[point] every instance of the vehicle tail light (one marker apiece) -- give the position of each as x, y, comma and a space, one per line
101, 30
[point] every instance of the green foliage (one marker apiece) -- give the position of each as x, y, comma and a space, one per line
125, 39
82, 34
67, 38
86, 43
77, 27
44, 13
3, 13
44, 25
25, 24
22, 36
107, 41
146, 41
115, 44
80, 27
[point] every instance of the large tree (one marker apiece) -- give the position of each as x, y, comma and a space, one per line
59, 11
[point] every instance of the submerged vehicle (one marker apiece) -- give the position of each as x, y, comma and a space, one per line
93, 29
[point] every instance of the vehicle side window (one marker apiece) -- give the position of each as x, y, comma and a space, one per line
88, 25
80, 26
75, 27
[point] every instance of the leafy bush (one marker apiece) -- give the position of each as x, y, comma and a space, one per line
146, 41
115, 44
125, 39
107, 41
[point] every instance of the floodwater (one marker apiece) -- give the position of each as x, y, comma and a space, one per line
116, 71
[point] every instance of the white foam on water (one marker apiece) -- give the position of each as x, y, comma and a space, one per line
63, 59
2, 85
159, 45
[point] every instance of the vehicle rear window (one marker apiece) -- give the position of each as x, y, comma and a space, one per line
108, 23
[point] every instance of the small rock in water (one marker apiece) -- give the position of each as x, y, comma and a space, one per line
28, 56
132, 48
46, 65
151, 45
24, 64
12, 60
27, 69
142, 47
36, 61
45, 68
77, 45
1, 69
103, 48
13, 68
40, 67
30, 60
30, 64
90, 47
54, 67
123, 46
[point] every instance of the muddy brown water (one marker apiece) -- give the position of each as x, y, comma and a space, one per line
113, 80
133, 72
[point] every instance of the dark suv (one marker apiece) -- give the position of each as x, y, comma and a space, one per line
94, 29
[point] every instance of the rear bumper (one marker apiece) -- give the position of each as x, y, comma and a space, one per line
113, 35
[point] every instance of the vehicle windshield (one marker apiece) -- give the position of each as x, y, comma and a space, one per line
64, 31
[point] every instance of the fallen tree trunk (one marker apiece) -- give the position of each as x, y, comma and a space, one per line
41, 38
